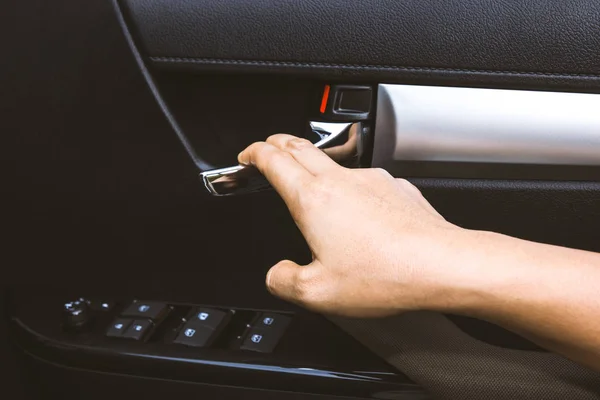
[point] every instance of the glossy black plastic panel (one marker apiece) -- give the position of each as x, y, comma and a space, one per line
313, 356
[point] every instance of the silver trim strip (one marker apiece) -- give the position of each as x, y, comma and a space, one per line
429, 123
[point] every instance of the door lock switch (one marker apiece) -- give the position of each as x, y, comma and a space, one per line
138, 329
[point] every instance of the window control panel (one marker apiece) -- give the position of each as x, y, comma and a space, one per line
202, 327
197, 343
179, 325
265, 332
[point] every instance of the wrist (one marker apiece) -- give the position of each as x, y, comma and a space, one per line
464, 271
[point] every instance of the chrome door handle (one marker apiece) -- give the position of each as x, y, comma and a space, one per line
343, 142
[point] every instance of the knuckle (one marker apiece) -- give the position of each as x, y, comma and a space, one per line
278, 139
277, 156
404, 182
297, 144
275, 137
261, 154
407, 185
370, 175
258, 148
382, 173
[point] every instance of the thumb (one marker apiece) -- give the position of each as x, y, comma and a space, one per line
290, 281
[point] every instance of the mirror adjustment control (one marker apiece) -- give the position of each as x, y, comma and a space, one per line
138, 329
118, 327
146, 309
76, 314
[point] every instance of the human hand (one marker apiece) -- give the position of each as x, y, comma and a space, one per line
379, 248
377, 244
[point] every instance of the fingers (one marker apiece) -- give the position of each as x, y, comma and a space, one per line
303, 151
284, 173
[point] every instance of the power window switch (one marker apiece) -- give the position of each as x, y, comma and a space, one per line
195, 335
154, 310
118, 327
209, 318
138, 329
272, 321
265, 332
261, 340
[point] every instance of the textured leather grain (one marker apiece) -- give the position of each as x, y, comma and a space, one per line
560, 213
512, 43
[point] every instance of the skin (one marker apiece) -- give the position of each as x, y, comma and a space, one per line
379, 249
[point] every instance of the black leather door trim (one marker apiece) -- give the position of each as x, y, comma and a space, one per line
520, 44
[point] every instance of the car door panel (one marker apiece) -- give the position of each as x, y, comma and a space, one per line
111, 113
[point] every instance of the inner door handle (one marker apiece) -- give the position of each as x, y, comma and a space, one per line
345, 142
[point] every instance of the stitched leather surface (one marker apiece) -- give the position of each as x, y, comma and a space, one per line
552, 43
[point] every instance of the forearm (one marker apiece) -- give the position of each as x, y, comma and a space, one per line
547, 293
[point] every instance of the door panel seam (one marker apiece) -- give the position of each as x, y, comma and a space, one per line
219, 61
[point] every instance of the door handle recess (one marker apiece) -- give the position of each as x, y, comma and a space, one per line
344, 142
433, 124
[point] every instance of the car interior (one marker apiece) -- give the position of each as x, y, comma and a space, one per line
136, 248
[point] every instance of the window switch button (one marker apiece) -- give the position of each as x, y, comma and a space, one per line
195, 335
272, 321
118, 327
208, 317
138, 329
145, 309
261, 340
